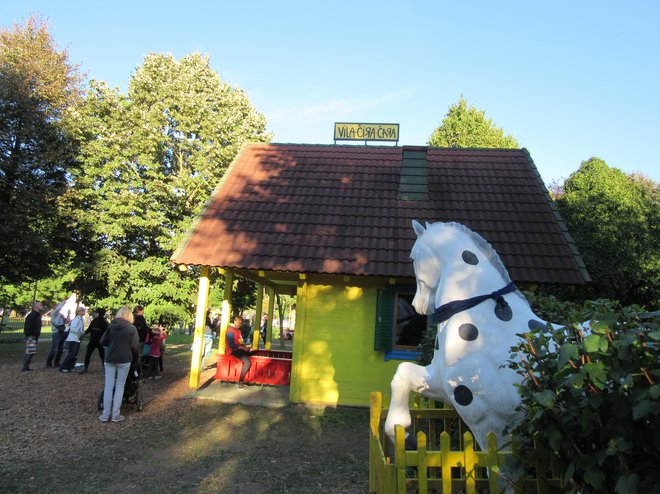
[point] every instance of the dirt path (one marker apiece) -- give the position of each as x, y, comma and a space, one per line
52, 441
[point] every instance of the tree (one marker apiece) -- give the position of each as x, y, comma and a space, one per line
151, 159
467, 127
615, 221
38, 89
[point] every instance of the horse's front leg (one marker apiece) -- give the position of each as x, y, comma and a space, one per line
408, 377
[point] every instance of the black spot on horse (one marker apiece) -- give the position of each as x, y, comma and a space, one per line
463, 395
534, 324
437, 343
468, 332
503, 312
470, 257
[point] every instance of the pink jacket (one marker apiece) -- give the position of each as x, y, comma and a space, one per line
155, 343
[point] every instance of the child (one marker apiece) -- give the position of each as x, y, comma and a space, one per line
155, 339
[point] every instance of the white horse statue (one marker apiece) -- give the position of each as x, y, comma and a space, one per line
479, 311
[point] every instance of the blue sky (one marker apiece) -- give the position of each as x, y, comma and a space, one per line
568, 79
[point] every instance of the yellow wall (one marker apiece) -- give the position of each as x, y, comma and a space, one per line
334, 361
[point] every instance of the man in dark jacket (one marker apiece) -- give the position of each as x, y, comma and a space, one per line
95, 330
32, 331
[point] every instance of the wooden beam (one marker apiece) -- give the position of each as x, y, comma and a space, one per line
271, 307
200, 322
226, 311
257, 318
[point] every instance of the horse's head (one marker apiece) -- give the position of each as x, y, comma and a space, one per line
427, 271
455, 252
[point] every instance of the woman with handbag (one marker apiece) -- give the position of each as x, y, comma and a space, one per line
123, 345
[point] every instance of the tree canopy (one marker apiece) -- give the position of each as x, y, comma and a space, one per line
467, 127
615, 221
38, 89
150, 161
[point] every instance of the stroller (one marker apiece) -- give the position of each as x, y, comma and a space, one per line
132, 394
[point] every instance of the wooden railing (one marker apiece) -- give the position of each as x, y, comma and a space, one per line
268, 367
445, 460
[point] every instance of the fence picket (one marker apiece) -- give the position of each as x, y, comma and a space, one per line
387, 476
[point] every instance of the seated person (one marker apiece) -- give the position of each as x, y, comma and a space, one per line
237, 348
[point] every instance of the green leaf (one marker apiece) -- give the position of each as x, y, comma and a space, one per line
654, 391
599, 327
627, 484
567, 352
597, 373
642, 409
593, 343
594, 477
568, 474
545, 398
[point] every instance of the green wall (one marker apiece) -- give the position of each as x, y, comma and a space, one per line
334, 361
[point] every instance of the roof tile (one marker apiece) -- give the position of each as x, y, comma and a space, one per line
334, 209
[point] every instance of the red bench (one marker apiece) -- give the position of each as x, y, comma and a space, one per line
268, 367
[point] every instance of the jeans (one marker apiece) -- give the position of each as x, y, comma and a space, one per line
244, 357
113, 393
27, 359
208, 347
71, 354
56, 348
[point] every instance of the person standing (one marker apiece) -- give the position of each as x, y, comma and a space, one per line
32, 331
58, 322
95, 330
264, 328
140, 323
237, 348
72, 343
123, 344
155, 340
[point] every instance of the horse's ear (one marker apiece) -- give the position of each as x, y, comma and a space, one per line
428, 225
419, 229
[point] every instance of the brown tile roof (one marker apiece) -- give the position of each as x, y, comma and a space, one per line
337, 210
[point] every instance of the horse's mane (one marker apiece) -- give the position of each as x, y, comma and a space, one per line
485, 248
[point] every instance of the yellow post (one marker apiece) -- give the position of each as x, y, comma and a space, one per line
257, 317
470, 463
445, 462
400, 458
493, 466
200, 322
422, 464
375, 410
271, 307
226, 311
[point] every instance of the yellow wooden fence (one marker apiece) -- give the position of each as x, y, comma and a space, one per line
446, 460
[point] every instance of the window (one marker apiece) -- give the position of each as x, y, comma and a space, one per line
399, 329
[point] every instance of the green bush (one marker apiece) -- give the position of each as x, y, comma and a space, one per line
591, 401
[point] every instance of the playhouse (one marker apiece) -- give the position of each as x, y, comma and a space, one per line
332, 225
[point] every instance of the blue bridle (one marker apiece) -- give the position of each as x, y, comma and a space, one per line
445, 311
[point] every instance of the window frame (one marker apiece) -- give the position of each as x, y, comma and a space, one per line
386, 327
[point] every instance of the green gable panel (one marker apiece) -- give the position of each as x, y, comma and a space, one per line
415, 155
413, 178
384, 321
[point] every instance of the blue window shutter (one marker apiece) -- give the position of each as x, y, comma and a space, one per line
384, 321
